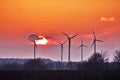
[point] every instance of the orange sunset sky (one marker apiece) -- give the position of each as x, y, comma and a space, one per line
49, 18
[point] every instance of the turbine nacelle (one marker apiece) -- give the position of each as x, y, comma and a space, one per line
69, 43
33, 37
81, 46
94, 41
69, 36
61, 43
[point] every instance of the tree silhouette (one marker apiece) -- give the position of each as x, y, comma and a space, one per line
11, 66
97, 62
98, 58
37, 64
117, 56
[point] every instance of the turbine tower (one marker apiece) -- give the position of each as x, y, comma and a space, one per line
61, 44
94, 42
82, 46
33, 38
69, 44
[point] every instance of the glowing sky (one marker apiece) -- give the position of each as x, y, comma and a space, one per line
49, 18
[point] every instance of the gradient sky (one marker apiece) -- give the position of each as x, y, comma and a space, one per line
49, 18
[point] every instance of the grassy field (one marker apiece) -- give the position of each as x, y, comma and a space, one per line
60, 75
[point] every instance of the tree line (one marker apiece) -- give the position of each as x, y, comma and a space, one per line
96, 61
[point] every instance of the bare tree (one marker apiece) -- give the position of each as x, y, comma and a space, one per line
98, 58
37, 64
117, 56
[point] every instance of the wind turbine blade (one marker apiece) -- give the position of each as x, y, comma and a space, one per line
99, 40
92, 45
58, 42
65, 34
85, 46
74, 36
80, 46
81, 40
94, 34
64, 42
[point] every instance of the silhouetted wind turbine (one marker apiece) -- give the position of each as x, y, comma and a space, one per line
61, 44
33, 38
69, 44
81, 46
94, 41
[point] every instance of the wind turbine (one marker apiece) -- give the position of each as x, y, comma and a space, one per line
33, 38
69, 43
81, 46
94, 42
61, 44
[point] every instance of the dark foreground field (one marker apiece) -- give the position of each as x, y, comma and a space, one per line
60, 75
